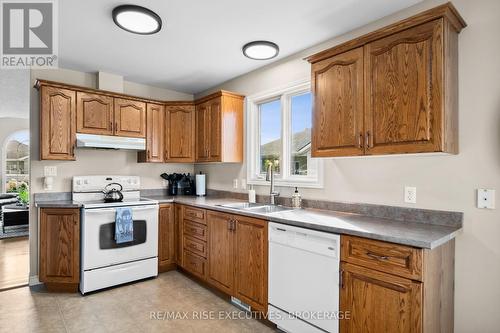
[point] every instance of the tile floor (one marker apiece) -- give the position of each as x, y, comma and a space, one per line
14, 262
124, 309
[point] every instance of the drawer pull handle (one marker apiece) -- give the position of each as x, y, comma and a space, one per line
376, 256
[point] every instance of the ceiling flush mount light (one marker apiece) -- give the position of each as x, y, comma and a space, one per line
137, 19
261, 50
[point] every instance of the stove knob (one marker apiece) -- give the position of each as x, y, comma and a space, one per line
86, 181
78, 182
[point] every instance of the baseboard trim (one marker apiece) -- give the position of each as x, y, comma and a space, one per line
33, 280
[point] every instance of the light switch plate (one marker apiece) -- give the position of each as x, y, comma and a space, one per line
50, 171
410, 194
235, 183
485, 198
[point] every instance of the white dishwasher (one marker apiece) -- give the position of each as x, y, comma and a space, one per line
303, 279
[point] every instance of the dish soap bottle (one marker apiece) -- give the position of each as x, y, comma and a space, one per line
296, 199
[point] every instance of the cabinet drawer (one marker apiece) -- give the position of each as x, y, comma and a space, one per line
195, 230
196, 246
195, 214
401, 260
194, 264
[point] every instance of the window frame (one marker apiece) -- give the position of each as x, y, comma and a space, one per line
285, 178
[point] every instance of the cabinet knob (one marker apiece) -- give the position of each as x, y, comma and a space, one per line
360, 140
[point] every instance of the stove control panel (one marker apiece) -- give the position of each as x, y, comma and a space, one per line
97, 183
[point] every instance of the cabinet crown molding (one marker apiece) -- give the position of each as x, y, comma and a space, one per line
446, 11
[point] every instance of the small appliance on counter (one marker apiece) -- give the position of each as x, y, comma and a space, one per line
201, 183
179, 183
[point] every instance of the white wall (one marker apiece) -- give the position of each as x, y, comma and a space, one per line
90, 161
14, 93
443, 182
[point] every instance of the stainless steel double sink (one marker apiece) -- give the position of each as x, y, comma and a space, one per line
258, 208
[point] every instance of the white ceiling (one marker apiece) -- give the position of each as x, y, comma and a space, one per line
14, 93
200, 43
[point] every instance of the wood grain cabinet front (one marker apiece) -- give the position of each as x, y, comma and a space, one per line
219, 128
94, 114
57, 123
166, 238
391, 91
387, 287
59, 257
237, 257
180, 133
130, 118
155, 134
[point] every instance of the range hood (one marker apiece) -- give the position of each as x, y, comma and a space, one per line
109, 142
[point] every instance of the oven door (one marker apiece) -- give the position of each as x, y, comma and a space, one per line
99, 248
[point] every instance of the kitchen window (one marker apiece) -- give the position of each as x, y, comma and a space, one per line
279, 133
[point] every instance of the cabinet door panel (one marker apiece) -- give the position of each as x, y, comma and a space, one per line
94, 114
379, 302
166, 234
403, 89
57, 123
180, 134
59, 245
202, 131
220, 249
251, 262
215, 134
155, 120
338, 105
130, 118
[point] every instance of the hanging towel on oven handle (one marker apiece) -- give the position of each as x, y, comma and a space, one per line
124, 225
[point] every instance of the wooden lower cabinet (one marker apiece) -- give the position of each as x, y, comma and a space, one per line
388, 287
221, 248
379, 302
237, 257
251, 259
59, 258
166, 238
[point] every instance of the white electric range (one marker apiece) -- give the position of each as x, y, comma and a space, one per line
105, 263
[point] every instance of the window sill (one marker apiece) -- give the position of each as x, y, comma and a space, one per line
287, 183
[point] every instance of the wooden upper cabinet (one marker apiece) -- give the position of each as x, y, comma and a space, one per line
251, 266
202, 132
215, 142
219, 128
166, 237
155, 137
94, 113
180, 133
404, 90
221, 249
57, 123
337, 85
379, 302
59, 255
391, 91
130, 118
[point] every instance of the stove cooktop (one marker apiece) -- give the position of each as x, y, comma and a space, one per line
124, 203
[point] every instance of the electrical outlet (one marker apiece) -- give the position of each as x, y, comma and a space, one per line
243, 184
410, 194
235, 183
50, 171
485, 198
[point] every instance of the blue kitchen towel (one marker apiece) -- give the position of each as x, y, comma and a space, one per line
124, 225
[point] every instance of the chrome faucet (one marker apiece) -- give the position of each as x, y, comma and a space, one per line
270, 177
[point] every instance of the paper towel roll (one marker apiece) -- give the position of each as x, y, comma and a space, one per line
200, 184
